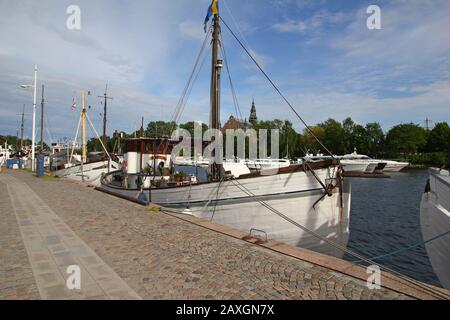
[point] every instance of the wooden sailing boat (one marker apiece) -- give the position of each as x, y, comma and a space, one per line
312, 195
85, 170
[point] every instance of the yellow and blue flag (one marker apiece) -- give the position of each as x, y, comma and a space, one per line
213, 9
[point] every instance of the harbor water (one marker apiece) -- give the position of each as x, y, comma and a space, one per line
385, 217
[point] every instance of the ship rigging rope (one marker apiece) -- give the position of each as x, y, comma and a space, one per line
423, 287
190, 89
177, 112
418, 244
237, 108
98, 136
277, 89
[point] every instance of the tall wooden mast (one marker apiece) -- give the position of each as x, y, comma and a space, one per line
215, 75
217, 63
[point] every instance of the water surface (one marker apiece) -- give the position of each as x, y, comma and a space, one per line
385, 217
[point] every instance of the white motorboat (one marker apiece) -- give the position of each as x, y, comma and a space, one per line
354, 165
372, 165
348, 165
435, 222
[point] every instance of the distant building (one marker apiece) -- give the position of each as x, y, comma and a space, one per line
235, 124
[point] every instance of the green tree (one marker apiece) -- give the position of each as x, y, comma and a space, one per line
439, 138
160, 129
269, 125
190, 126
308, 143
359, 140
405, 139
289, 141
375, 139
94, 145
13, 141
334, 136
349, 129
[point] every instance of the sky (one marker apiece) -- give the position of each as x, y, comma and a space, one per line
320, 53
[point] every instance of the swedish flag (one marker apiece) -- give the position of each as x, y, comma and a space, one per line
213, 9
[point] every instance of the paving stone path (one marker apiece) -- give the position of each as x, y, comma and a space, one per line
126, 252
52, 247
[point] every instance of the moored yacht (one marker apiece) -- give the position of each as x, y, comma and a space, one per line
389, 165
348, 165
372, 165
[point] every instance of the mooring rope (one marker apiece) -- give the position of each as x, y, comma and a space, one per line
402, 250
423, 287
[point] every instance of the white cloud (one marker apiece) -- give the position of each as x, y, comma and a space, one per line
412, 31
192, 29
313, 24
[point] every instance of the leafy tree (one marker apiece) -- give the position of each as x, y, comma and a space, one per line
375, 139
160, 129
349, 129
289, 140
439, 138
334, 136
359, 140
13, 141
190, 126
275, 124
94, 145
307, 141
405, 139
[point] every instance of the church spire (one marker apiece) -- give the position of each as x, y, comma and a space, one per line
253, 117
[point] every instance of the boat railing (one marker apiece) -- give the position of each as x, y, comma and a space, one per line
137, 181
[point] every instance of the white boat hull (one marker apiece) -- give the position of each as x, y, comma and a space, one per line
294, 195
394, 166
435, 220
371, 167
354, 166
92, 172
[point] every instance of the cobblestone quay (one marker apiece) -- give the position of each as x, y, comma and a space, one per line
126, 251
